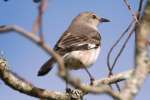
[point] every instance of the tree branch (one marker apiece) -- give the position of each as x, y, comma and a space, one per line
16, 82
114, 78
35, 39
142, 64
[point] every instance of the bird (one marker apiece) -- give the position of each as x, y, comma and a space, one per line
79, 45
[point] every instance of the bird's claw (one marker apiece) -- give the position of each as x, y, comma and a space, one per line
91, 81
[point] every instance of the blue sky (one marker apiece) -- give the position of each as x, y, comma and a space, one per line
25, 58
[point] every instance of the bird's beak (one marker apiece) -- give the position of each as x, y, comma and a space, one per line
104, 20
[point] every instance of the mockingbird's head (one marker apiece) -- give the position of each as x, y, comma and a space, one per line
89, 18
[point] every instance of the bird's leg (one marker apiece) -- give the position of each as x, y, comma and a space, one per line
91, 77
67, 73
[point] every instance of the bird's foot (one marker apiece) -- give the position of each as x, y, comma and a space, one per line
91, 81
68, 90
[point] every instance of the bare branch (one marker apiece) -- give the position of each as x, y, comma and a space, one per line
132, 12
140, 9
38, 24
114, 78
111, 67
17, 83
35, 39
129, 31
141, 72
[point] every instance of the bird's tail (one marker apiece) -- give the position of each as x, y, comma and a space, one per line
46, 67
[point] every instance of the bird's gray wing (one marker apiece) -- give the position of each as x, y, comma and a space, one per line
78, 41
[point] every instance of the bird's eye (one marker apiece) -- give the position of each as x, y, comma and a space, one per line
94, 16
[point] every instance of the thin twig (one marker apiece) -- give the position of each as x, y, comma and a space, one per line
114, 45
121, 50
42, 8
140, 9
114, 78
132, 12
118, 55
123, 47
38, 25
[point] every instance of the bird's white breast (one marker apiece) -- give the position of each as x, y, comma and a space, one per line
81, 58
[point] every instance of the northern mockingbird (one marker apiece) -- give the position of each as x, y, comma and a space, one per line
79, 45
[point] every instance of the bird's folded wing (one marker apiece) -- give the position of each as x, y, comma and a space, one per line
75, 41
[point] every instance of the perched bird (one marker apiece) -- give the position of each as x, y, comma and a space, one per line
79, 45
